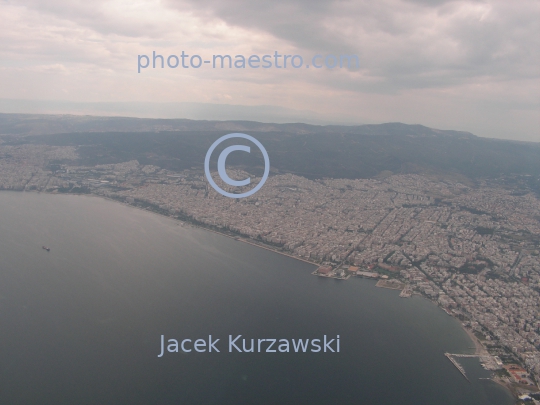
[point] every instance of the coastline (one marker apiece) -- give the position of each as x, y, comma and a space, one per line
267, 248
480, 350
237, 238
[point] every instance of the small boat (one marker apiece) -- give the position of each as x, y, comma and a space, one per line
46, 248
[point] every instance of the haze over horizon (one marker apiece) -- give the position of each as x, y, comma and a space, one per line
461, 65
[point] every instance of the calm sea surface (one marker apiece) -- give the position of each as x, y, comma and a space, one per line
81, 324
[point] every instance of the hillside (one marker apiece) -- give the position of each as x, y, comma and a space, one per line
308, 150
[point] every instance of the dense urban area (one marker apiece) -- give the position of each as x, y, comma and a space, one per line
473, 249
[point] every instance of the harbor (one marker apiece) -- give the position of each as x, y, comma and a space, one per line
486, 361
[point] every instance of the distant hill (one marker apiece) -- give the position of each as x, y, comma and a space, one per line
309, 150
41, 124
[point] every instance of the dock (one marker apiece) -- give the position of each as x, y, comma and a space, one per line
391, 284
406, 292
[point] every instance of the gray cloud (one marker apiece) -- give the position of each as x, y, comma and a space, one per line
404, 43
98, 16
467, 64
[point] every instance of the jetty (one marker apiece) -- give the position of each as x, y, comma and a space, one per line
458, 366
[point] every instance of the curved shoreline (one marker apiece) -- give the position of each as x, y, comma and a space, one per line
479, 348
237, 238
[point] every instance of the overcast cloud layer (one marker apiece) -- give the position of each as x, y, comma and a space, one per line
466, 65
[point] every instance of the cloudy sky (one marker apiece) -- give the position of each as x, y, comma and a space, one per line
466, 65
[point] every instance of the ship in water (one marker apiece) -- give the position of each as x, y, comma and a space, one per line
46, 248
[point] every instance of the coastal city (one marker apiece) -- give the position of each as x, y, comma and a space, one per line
471, 248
